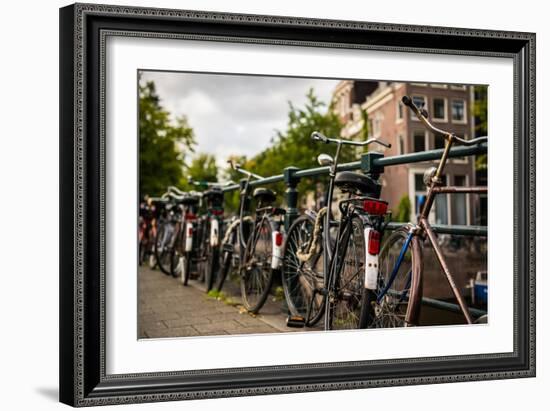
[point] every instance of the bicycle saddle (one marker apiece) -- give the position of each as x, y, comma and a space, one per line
354, 182
214, 195
264, 195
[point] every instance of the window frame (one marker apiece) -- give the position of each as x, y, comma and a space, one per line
445, 117
426, 139
465, 116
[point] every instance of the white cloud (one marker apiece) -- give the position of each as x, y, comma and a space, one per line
234, 114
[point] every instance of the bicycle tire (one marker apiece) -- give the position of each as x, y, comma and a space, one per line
161, 253
391, 313
255, 266
230, 255
344, 306
142, 252
211, 266
300, 278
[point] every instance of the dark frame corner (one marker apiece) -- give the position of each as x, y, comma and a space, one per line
83, 380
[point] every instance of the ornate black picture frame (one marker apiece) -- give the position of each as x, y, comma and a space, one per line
83, 30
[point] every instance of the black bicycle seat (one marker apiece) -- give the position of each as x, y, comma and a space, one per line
354, 182
264, 195
214, 195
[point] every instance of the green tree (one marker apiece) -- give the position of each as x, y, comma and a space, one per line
403, 212
202, 168
480, 110
163, 143
294, 147
480, 116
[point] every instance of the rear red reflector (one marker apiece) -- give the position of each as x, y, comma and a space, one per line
375, 207
374, 242
190, 231
278, 239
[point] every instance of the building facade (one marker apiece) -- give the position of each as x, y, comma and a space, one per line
449, 107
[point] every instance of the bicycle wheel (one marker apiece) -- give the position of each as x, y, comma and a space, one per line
211, 266
162, 247
142, 251
346, 297
301, 276
400, 306
175, 255
256, 272
200, 243
230, 256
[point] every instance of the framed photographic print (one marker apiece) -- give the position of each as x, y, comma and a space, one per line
262, 204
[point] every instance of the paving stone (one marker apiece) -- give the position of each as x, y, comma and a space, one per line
187, 331
168, 309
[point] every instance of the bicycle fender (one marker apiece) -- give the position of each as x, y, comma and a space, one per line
371, 264
214, 232
277, 259
189, 236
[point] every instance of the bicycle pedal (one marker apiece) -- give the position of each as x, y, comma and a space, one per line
295, 321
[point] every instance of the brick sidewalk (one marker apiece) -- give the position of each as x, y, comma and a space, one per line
168, 309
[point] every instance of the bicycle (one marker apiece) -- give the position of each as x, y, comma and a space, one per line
252, 245
183, 246
149, 212
396, 301
210, 232
326, 273
167, 231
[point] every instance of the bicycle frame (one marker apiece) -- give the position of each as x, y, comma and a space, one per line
261, 214
331, 253
424, 227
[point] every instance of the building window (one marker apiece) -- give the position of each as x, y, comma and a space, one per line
376, 127
459, 203
458, 111
399, 111
401, 144
439, 142
419, 141
439, 109
420, 102
419, 193
441, 208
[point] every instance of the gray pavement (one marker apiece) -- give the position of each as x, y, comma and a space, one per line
168, 309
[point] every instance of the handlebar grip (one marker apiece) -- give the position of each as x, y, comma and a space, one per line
418, 111
316, 136
407, 101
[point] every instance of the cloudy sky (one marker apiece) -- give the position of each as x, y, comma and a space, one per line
234, 114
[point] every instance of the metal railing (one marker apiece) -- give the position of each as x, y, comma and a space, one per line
373, 163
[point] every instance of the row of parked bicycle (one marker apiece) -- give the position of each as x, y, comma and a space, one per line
331, 268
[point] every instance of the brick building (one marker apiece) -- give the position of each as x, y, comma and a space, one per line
449, 107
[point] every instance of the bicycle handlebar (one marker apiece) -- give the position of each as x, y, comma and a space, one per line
175, 190
423, 116
159, 199
210, 183
237, 167
317, 136
471, 142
